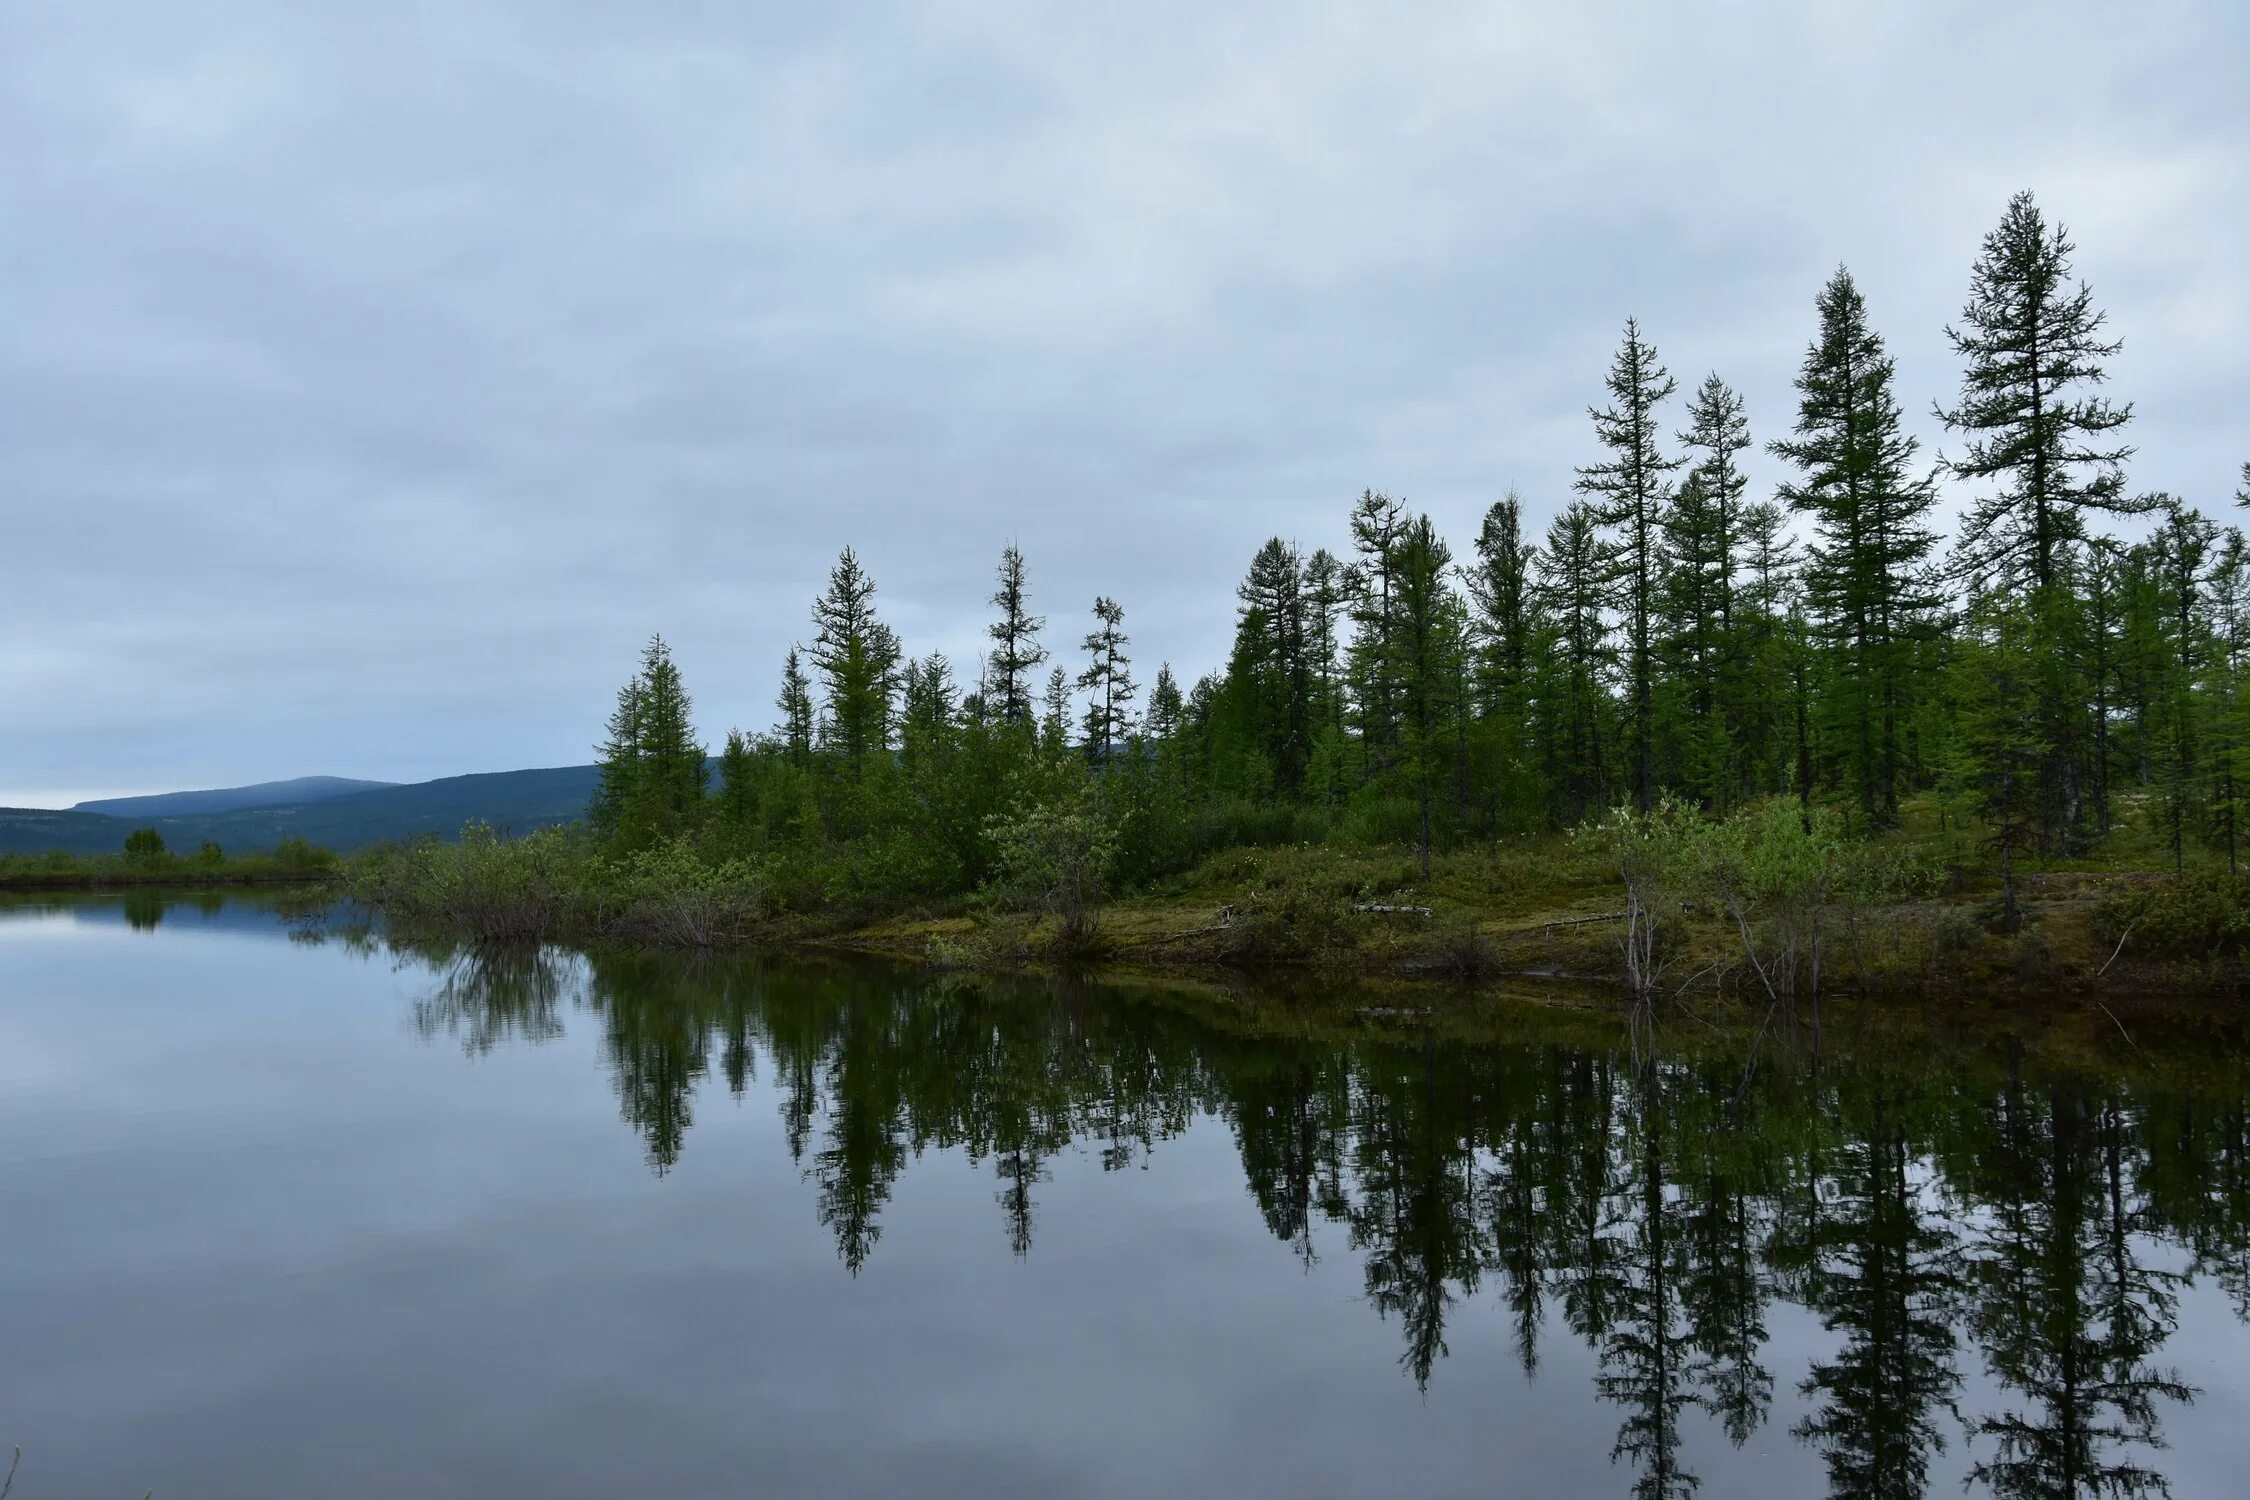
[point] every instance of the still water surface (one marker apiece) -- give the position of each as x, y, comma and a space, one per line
286, 1211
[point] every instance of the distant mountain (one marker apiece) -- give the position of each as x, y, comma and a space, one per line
513, 801
292, 793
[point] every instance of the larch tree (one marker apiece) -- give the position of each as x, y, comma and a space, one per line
858, 658
2181, 555
652, 769
1629, 492
1270, 674
1573, 704
1016, 652
797, 714
1107, 681
1377, 523
1863, 582
1054, 718
1503, 631
1425, 649
1701, 654
2034, 425
1165, 708
737, 790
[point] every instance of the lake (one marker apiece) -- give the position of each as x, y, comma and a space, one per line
289, 1210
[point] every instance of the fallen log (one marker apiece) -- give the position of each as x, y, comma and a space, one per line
1371, 909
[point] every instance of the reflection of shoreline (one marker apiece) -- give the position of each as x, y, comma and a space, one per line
1929, 1213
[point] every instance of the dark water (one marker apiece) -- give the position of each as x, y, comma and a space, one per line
290, 1215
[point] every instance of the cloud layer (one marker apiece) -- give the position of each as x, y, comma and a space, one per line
376, 378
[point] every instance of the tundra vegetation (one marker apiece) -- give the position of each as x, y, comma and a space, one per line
1689, 735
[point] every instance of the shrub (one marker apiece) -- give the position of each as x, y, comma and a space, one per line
670, 896
1057, 855
1460, 947
144, 846
2188, 916
210, 855
294, 854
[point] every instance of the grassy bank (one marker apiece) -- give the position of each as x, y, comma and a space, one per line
294, 862
1770, 904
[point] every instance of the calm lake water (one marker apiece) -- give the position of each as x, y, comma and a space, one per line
285, 1211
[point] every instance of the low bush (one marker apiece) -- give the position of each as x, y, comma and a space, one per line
2187, 916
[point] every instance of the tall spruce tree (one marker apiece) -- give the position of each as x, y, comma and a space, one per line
1165, 709
1504, 636
737, 789
797, 715
1863, 585
1426, 649
1016, 652
1701, 651
1270, 674
1573, 704
2033, 424
619, 756
2034, 349
857, 657
2181, 555
1377, 524
1107, 681
652, 770
1630, 492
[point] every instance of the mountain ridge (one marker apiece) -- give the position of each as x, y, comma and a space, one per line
289, 793
514, 801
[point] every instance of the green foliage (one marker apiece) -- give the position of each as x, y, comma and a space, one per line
2191, 916
1056, 854
145, 845
209, 855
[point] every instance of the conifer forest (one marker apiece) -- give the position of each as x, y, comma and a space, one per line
2004, 640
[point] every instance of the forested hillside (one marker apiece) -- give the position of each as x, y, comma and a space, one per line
2068, 662
519, 801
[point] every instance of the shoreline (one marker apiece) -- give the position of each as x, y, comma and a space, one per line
1558, 942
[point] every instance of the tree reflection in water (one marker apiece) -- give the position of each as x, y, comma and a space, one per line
1932, 1217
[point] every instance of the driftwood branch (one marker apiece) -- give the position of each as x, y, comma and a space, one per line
1374, 909
2120, 948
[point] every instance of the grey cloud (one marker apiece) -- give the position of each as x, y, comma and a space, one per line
374, 379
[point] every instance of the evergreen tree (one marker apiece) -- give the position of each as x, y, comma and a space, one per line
1863, 583
1701, 654
1270, 673
926, 719
796, 705
1504, 635
1054, 721
1630, 494
737, 789
1107, 681
2034, 350
2181, 554
652, 769
1377, 524
857, 657
1574, 707
1771, 647
1426, 651
619, 755
2033, 345
1016, 652
1165, 710
1995, 707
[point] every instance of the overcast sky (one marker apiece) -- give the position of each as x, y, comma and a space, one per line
375, 378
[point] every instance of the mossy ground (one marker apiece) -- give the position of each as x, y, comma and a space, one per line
1543, 908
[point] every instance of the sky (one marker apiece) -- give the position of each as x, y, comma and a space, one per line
375, 379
